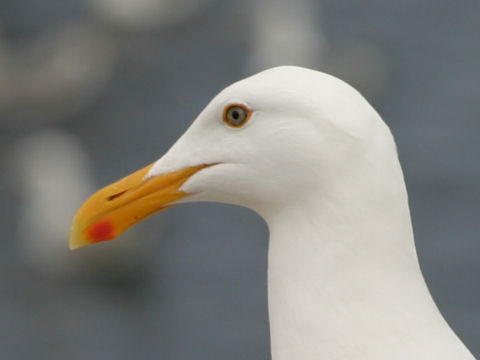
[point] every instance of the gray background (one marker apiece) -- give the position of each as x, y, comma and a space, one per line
195, 286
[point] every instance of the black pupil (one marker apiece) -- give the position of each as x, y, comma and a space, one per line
235, 114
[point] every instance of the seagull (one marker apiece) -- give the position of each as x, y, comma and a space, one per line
311, 156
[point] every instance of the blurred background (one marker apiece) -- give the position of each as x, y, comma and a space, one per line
92, 90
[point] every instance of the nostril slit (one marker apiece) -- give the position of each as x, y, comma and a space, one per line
114, 196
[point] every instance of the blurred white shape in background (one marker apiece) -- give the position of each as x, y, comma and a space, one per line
285, 32
54, 75
147, 14
55, 179
362, 65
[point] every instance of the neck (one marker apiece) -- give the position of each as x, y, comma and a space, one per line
344, 283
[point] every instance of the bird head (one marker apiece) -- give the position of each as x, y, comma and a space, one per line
263, 142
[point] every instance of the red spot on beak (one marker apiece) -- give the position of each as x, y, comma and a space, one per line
101, 231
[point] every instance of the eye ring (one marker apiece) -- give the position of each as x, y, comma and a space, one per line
236, 115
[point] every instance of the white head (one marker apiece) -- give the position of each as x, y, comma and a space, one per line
306, 129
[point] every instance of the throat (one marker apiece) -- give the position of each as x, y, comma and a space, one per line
345, 284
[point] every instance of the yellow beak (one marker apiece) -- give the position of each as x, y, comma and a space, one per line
116, 207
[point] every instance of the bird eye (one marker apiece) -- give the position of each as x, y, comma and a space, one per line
236, 115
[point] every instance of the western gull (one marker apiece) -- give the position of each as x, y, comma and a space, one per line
311, 156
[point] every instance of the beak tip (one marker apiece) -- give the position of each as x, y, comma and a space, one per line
74, 242
73, 245
77, 239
